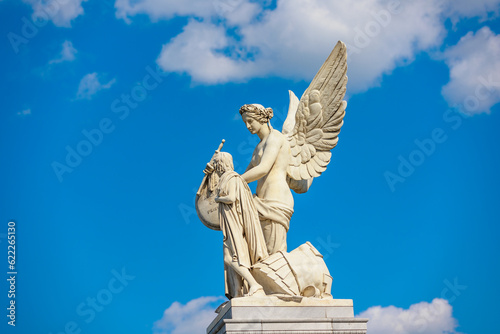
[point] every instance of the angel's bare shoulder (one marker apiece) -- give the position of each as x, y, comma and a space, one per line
276, 137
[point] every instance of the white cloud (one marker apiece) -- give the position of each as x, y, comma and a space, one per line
422, 318
479, 8
193, 52
165, 9
68, 53
90, 85
295, 38
237, 40
60, 12
474, 72
242, 10
194, 317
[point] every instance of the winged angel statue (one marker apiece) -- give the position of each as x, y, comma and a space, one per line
255, 227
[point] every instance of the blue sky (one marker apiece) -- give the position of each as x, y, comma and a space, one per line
111, 109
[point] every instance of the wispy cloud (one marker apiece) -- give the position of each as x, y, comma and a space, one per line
68, 53
163, 9
194, 317
484, 9
422, 318
474, 72
90, 85
60, 12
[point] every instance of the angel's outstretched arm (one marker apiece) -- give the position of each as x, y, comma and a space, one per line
250, 166
271, 151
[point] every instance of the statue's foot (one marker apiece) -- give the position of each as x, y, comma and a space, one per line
256, 291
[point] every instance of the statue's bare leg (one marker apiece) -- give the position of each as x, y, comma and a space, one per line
255, 288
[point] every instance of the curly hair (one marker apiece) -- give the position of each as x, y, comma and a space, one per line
257, 112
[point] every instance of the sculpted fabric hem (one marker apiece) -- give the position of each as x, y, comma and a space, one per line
275, 211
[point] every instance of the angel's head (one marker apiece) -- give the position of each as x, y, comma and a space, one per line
255, 115
223, 162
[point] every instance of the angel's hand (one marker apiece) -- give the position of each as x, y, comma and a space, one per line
208, 169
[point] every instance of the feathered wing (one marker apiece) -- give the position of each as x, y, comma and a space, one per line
313, 123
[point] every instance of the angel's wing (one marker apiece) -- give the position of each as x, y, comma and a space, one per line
313, 123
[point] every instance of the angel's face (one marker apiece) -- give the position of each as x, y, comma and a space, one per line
252, 124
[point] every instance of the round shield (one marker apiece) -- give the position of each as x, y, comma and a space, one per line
206, 207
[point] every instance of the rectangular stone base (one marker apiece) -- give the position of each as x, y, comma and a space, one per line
273, 315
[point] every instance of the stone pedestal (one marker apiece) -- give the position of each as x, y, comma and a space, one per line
272, 315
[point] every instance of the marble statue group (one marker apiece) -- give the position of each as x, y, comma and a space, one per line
254, 226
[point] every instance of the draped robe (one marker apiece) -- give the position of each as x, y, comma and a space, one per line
242, 231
